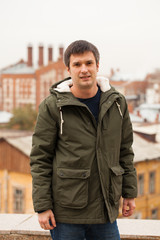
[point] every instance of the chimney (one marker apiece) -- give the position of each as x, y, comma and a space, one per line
130, 108
50, 54
60, 53
138, 113
40, 61
157, 118
112, 72
29, 62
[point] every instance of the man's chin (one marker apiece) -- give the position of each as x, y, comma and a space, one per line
87, 85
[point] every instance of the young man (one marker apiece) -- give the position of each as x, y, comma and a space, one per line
82, 159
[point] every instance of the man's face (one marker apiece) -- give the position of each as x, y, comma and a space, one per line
83, 70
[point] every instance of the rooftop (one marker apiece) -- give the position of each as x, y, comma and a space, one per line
23, 144
145, 150
5, 117
12, 133
135, 118
118, 76
18, 68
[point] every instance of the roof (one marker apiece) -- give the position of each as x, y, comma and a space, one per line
19, 68
145, 150
5, 117
23, 144
148, 129
12, 133
135, 118
150, 106
118, 76
149, 112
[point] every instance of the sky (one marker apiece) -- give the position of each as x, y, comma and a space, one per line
126, 32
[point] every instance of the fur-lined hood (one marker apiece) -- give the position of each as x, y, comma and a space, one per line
65, 85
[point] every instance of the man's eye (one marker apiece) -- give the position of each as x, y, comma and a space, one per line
89, 63
76, 64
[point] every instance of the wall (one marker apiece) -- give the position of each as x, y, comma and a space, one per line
26, 227
147, 202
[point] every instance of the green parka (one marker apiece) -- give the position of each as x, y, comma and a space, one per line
80, 169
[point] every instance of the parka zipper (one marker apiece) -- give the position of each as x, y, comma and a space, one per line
119, 108
62, 121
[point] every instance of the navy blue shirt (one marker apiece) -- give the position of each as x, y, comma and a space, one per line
93, 103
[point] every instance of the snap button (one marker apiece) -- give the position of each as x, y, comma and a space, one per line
61, 174
84, 175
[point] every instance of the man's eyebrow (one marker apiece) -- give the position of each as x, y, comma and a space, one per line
79, 62
75, 62
90, 60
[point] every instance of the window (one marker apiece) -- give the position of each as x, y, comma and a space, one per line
7, 90
152, 182
18, 203
154, 213
140, 184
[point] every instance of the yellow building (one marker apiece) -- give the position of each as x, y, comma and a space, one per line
15, 177
147, 164
148, 201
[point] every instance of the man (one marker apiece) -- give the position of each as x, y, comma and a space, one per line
81, 159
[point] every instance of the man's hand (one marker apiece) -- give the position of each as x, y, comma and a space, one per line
46, 220
128, 206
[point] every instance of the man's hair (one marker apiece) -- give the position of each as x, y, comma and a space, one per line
79, 47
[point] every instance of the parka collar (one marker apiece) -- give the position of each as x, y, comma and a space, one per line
65, 85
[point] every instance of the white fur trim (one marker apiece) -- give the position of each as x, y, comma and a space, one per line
103, 83
65, 86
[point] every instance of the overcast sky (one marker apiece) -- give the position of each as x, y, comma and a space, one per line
126, 32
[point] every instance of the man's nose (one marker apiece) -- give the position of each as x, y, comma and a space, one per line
84, 68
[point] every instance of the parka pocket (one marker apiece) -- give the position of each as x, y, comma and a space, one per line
116, 183
72, 187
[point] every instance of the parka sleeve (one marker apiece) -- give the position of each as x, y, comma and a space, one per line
41, 158
129, 187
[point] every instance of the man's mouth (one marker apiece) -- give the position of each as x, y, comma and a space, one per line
85, 77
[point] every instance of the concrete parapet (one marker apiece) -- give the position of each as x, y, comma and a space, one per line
26, 227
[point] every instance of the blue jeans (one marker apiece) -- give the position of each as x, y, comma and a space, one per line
65, 231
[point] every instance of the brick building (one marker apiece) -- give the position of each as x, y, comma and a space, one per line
22, 84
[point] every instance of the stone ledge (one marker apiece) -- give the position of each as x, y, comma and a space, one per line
139, 229
26, 227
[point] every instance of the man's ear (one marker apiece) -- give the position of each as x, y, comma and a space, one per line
97, 66
68, 70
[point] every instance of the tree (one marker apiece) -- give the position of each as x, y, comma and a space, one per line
23, 118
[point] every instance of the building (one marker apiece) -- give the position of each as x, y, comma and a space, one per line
22, 84
147, 164
46, 76
132, 86
15, 177
149, 112
18, 86
153, 90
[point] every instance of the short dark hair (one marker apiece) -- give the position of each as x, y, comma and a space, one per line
79, 47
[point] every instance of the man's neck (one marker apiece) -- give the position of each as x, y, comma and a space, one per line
84, 93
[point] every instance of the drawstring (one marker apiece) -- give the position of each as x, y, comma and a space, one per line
62, 121
119, 108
